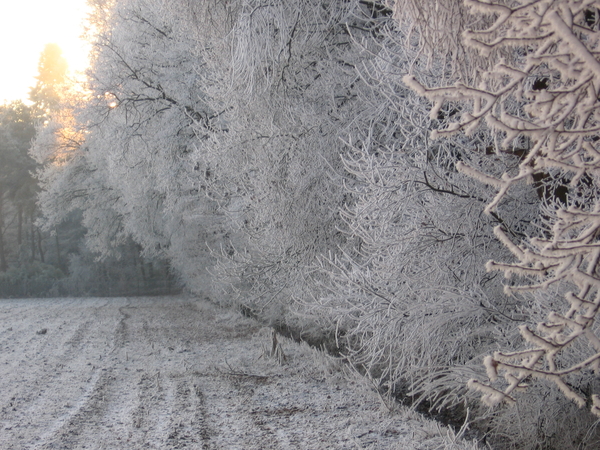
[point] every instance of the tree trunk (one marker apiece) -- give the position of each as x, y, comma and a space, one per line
39, 242
20, 225
3, 264
32, 233
58, 258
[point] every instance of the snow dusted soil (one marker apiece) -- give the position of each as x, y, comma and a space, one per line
175, 373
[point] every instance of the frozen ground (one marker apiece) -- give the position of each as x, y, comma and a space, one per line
176, 372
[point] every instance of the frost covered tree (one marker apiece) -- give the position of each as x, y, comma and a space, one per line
148, 105
412, 299
543, 98
17, 186
134, 127
289, 93
51, 78
87, 144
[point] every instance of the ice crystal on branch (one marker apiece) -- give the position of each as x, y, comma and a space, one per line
545, 93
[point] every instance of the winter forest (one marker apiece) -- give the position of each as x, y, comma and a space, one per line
410, 184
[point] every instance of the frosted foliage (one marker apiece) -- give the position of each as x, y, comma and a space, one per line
130, 169
287, 93
546, 97
413, 299
149, 89
439, 23
69, 181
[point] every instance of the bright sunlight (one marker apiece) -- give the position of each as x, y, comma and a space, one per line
26, 26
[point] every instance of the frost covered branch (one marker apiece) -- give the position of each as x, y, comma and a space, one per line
545, 95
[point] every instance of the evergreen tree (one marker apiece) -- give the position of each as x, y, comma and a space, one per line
17, 186
52, 75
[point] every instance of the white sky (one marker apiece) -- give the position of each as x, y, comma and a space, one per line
26, 26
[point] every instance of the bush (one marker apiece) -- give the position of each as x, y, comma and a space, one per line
30, 280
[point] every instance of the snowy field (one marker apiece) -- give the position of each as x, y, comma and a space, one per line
176, 372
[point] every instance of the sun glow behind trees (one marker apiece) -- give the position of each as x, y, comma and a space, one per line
25, 29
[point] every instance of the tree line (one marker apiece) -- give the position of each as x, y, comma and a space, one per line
38, 260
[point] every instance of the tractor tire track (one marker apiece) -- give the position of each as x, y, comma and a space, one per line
169, 373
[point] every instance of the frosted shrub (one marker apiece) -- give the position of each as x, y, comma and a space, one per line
413, 299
